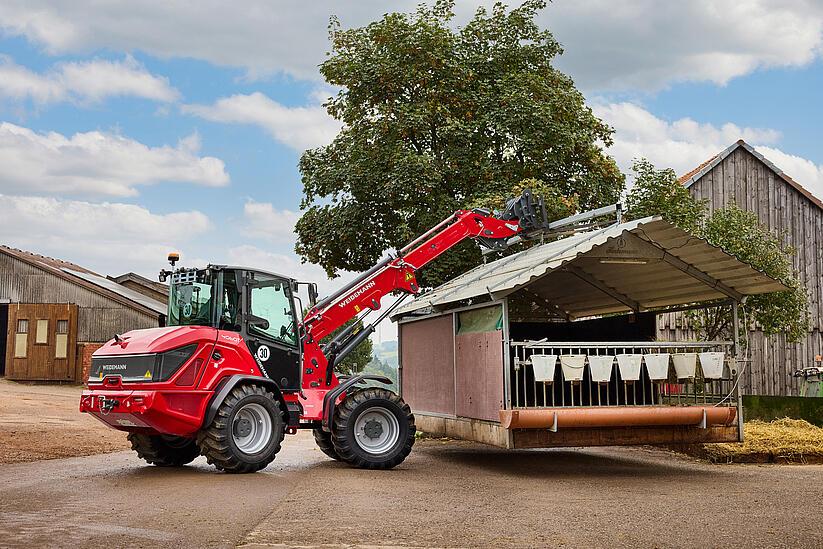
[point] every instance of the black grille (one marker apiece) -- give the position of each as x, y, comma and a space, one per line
140, 368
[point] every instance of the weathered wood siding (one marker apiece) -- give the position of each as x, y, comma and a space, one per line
99, 317
742, 178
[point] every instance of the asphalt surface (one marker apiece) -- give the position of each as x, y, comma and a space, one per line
447, 494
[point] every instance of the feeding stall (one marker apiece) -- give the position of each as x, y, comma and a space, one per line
555, 345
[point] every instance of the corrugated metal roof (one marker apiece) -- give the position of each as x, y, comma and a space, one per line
647, 263
120, 290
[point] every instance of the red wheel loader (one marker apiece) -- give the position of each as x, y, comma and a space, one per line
234, 370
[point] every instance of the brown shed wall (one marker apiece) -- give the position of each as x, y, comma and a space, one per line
427, 362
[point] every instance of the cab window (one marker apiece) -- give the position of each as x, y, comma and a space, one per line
273, 302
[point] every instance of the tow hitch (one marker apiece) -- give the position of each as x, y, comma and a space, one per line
108, 404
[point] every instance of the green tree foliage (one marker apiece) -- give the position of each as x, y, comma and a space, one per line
738, 232
435, 118
357, 359
741, 234
658, 192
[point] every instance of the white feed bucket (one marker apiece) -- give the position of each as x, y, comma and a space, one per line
657, 365
572, 366
712, 364
543, 367
685, 364
629, 365
601, 368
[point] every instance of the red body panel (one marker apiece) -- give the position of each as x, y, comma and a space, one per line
173, 408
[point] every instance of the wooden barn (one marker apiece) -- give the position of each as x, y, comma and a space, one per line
54, 314
743, 176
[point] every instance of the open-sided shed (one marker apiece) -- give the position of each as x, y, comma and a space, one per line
554, 345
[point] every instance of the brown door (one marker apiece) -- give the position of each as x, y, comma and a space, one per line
41, 342
479, 375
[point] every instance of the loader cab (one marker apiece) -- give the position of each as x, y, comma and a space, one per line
258, 305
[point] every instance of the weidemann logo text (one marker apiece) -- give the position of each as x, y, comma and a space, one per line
357, 294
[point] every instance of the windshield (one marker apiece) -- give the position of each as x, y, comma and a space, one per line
190, 299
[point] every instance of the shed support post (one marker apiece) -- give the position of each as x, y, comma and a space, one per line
736, 354
507, 358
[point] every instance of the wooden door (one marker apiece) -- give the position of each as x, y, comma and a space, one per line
42, 342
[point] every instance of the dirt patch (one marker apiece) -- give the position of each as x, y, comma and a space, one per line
43, 422
786, 441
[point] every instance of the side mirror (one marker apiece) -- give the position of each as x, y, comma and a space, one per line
312, 294
257, 321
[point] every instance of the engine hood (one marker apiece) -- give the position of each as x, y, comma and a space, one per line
156, 340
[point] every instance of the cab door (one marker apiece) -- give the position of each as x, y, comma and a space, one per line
273, 343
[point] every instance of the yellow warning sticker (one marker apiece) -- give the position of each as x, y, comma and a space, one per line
148, 375
357, 308
409, 276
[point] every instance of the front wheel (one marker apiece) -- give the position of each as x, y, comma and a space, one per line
373, 429
246, 433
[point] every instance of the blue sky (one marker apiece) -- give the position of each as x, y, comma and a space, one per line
129, 130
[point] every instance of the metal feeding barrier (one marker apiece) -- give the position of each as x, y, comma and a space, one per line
548, 374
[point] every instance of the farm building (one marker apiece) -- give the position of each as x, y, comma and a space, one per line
743, 176
54, 314
556, 345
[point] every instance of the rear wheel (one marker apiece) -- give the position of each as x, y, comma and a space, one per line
373, 429
323, 440
164, 451
246, 433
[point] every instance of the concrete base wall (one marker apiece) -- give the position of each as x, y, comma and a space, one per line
487, 432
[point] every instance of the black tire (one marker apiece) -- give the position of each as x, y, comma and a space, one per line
164, 451
218, 442
374, 401
323, 440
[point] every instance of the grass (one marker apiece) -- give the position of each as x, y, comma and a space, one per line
780, 441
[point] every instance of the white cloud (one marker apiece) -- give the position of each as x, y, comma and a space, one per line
634, 44
297, 127
647, 44
265, 221
110, 238
83, 82
98, 163
684, 144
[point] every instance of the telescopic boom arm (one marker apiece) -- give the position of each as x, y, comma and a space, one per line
522, 216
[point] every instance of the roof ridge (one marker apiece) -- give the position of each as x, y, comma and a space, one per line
692, 176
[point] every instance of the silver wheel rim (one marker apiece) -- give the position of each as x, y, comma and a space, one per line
376, 430
252, 428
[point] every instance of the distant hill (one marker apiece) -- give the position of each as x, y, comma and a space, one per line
386, 351
384, 361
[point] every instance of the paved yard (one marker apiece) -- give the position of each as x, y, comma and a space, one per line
447, 494
42, 422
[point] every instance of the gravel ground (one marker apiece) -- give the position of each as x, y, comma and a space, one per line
447, 494
43, 422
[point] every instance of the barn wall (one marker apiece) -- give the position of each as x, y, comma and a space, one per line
99, 317
427, 364
743, 179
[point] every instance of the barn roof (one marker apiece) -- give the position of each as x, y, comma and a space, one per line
88, 279
691, 177
639, 265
